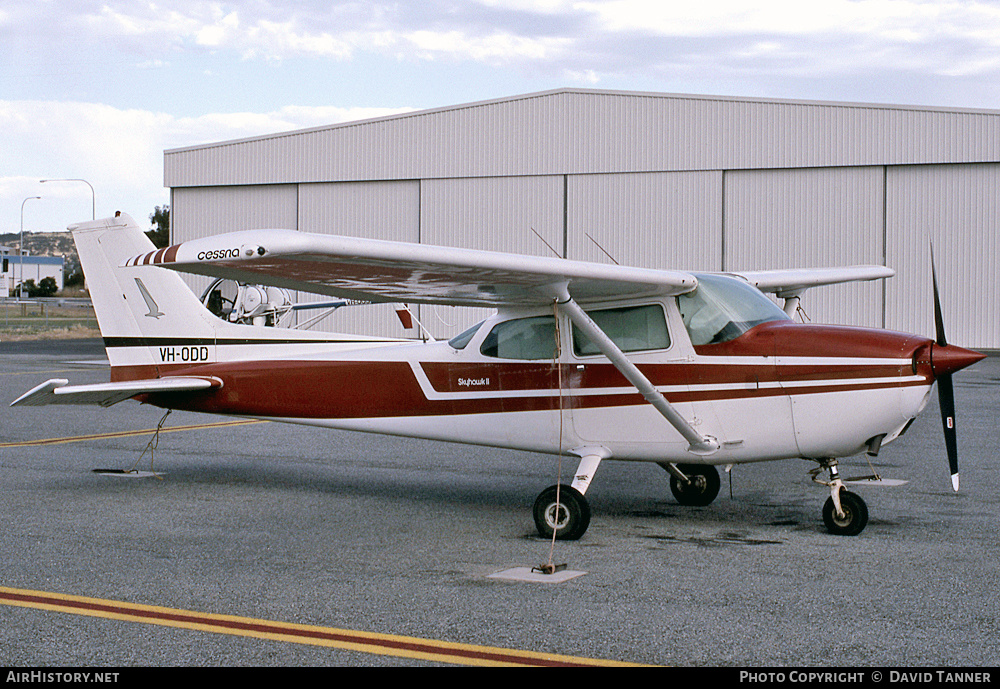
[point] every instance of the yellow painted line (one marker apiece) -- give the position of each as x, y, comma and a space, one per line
363, 642
125, 434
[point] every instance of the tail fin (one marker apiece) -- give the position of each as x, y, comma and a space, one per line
136, 309
152, 323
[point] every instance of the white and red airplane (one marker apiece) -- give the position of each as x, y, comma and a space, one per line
691, 371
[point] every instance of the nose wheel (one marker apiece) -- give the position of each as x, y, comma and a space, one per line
852, 517
844, 512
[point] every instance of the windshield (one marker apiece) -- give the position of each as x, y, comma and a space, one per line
722, 308
462, 339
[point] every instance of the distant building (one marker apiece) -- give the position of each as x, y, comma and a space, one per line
14, 268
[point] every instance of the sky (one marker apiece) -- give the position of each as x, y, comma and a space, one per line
96, 90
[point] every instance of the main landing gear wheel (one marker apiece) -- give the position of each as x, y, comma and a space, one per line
855, 514
702, 488
568, 516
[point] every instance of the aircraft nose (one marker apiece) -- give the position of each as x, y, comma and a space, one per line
947, 359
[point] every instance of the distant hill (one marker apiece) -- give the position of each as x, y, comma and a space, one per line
46, 244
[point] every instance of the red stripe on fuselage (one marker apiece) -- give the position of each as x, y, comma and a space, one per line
373, 389
388, 389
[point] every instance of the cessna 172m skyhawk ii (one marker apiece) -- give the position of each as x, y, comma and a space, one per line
690, 371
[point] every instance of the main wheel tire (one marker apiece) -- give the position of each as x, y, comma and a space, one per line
568, 517
703, 488
855, 515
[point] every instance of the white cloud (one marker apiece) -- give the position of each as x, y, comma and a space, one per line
118, 151
336, 30
138, 20
218, 33
586, 76
776, 17
543, 6
492, 48
559, 37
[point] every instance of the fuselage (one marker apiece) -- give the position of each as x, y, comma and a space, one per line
523, 379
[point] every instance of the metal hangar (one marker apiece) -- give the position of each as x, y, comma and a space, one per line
647, 179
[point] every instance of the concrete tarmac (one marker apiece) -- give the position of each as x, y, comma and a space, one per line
399, 536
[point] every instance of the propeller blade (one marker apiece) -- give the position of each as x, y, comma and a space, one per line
946, 391
938, 318
946, 400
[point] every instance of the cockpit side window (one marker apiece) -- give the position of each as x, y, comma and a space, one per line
523, 338
632, 328
722, 308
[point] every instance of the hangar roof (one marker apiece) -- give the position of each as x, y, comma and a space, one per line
580, 131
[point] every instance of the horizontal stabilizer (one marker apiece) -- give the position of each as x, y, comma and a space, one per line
57, 390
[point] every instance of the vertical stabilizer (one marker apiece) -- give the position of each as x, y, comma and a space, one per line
137, 309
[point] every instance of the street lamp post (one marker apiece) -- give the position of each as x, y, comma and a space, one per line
93, 196
20, 258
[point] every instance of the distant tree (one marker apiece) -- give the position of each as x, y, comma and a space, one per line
74, 279
160, 235
47, 287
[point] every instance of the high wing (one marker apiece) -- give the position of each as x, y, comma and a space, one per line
792, 283
57, 390
384, 271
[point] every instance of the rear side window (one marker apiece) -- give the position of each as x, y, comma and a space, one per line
522, 338
632, 328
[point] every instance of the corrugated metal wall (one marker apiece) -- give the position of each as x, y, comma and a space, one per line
494, 214
957, 208
663, 181
654, 220
810, 217
377, 210
199, 212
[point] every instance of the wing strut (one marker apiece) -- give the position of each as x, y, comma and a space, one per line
699, 444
